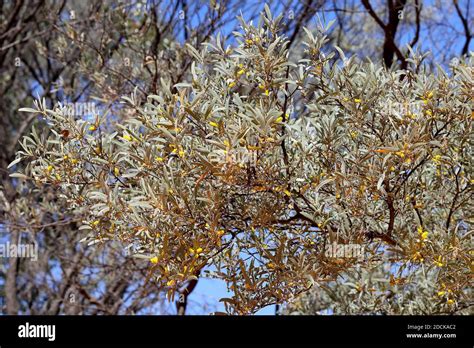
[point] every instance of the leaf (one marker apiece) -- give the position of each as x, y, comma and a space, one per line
380, 182
323, 183
309, 34
341, 54
28, 110
98, 195
141, 204
183, 84
14, 162
268, 12
194, 52
19, 176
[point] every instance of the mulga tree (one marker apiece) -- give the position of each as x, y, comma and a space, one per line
87, 55
248, 169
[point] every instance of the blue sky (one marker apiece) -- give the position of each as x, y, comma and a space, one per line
211, 290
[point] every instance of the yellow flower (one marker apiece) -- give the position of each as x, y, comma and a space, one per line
441, 293
214, 124
154, 260
279, 119
417, 257
261, 86
400, 154
195, 252
439, 262
240, 72
181, 153
159, 159
288, 193
116, 171
428, 96
436, 159
95, 223
267, 92
231, 84
429, 112
419, 206
450, 302
127, 137
74, 161
253, 148
317, 70
58, 177
170, 282
49, 168
65, 157
357, 100
423, 233
92, 128
249, 41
